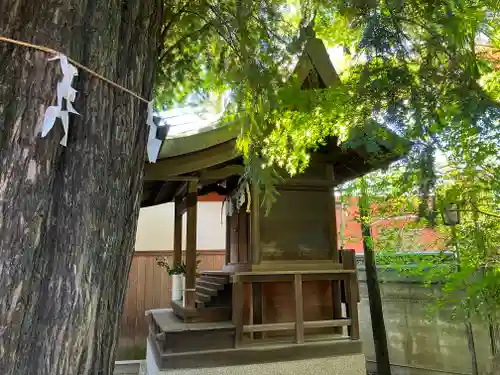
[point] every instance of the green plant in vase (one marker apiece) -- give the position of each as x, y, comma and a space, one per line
177, 269
177, 272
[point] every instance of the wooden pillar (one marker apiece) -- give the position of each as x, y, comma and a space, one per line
352, 306
238, 301
227, 259
177, 231
349, 263
332, 208
192, 211
255, 225
257, 308
299, 309
334, 250
351, 293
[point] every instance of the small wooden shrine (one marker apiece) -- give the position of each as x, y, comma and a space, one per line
286, 290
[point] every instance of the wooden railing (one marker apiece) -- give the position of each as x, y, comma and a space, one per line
345, 276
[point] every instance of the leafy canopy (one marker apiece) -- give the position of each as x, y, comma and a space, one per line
414, 66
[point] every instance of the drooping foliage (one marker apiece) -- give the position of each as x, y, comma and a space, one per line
421, 75
415, 67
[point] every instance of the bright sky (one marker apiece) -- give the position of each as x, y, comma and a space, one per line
338, 59
190, 120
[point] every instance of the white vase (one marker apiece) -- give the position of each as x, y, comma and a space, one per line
183, 278
177, 287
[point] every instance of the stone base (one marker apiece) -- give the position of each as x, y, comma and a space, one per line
351, 364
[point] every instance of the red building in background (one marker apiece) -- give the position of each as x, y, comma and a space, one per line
405, 235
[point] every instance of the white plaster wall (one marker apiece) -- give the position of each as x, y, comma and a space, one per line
155, 229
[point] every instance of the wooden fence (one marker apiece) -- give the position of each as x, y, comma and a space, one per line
149, 287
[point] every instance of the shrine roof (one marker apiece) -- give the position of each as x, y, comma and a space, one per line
208, 153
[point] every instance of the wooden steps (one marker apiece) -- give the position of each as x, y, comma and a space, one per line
203, 283
213, 289
213, 299
210, 291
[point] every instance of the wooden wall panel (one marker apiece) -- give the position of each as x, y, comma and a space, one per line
233, 227
149, 287
297, 228
243, 219
239, 229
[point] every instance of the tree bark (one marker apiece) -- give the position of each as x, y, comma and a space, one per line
68, 215
372, 283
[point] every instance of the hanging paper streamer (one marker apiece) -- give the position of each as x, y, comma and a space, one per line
66, 92
154, 143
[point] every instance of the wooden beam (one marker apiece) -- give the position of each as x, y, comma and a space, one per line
299, 309
255, 225
296, 265
327, 323
192, 213
184, 178
177, 231
181, 191
162, 193
274, 327
165, 169
270, 327
222, 173
288, 276
335, 271
183, 205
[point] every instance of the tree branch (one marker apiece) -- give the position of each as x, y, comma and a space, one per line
228, 42
171, 21
183, 38
484, 212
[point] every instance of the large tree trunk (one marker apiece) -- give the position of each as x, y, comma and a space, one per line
68, 215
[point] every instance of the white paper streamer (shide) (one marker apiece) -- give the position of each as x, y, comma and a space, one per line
66, 92
154, 143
